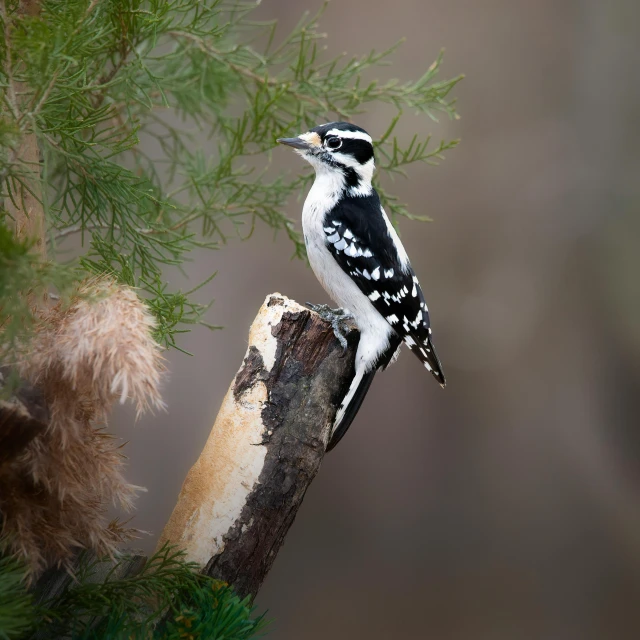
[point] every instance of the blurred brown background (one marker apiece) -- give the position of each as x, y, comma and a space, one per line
507, 505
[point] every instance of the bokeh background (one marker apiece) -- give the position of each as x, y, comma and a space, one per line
508, 505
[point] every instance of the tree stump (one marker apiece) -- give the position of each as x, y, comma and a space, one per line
242, 494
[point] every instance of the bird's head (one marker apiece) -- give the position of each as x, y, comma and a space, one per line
338, 148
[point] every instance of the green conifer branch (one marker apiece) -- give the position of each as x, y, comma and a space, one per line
166, 600
17, 612
120, 94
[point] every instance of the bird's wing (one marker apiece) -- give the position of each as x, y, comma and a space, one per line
363, 243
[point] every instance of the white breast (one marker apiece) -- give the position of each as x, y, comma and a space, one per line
322, 197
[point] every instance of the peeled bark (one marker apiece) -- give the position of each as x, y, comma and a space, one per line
242, 494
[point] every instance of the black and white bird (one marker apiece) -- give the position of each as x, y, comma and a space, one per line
358, 258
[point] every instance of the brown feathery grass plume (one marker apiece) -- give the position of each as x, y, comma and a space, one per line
84, 357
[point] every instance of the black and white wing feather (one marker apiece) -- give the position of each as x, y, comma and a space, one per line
366, 247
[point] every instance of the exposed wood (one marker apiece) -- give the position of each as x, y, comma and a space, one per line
266, 446
242, 494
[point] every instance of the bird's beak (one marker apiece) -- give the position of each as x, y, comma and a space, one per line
296, 143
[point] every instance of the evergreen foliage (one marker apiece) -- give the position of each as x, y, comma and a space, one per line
119, 92
166, 600
17, 612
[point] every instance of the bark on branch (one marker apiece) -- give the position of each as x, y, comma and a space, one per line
242, 494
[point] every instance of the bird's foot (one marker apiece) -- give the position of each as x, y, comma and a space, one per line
337, 318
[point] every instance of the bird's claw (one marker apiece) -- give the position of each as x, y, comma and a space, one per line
337, 318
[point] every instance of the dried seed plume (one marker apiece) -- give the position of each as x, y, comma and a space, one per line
85, 356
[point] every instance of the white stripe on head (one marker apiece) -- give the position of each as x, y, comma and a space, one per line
364, 170
353, 135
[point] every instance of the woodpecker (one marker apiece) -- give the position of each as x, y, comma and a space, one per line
358, 258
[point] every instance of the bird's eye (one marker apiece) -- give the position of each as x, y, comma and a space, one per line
333, 143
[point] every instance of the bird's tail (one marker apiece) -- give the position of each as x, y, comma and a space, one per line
426, 352
350, 405
358, 390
